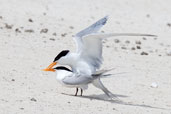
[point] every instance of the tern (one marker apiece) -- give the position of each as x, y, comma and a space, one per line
69, 79
88, 57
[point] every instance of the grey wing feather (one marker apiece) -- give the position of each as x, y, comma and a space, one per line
77, 80
93, 28
83, 79
89, 30
102, 73
97, 83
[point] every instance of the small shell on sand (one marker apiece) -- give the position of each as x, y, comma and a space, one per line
168, 52
154, 85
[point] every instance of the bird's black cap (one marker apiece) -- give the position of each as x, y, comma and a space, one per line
61, 54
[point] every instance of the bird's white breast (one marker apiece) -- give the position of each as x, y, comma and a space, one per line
61, 74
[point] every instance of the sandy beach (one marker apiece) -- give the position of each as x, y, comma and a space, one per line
33, 32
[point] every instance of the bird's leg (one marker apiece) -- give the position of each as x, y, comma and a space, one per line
76, 91
81, 92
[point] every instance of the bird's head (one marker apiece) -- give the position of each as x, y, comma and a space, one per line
61, 58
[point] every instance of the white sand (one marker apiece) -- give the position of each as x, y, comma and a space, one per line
25, 89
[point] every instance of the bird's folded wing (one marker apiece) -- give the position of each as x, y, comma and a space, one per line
77, 80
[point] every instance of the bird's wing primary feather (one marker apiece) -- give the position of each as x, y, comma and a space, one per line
94, 28
91, 50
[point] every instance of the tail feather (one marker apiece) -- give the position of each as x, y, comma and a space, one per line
97, 83
102, 72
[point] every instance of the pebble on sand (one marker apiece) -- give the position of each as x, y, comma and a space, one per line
138, 47
30, 20
45, 30
127, 41
144, 38
17, 30
144, 53
54, 34
123, 47
53, 39
22, 108
29, 30
8, 26
33, 99
71, 27
138, 42
117, 41
133, 48
64, 34
169, 24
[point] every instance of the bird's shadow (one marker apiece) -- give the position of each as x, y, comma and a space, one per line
103, 97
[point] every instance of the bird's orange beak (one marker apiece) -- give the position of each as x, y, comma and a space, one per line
49, 68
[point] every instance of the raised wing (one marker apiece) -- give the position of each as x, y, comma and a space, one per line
89, 30
93, 28
91, 51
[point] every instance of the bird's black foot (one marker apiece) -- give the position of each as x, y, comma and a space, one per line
81, 92
76, 91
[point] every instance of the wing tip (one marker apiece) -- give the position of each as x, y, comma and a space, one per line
94, 27
105, 19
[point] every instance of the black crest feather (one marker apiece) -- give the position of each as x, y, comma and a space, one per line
61, 54
62, 68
